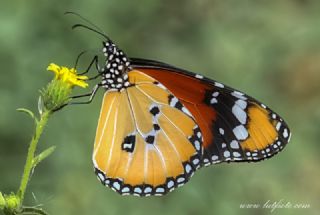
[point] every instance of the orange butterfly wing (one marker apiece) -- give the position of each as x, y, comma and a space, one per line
235, 127
153, 134
144, 145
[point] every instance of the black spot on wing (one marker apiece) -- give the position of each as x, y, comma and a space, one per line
128, 143
156, 127
154, 110
150, 139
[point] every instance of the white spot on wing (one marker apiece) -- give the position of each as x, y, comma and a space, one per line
234, 144
101, 176
236, 154
239, 113
241, 103
107, 182
197, 145
199, 76
173, 101
240, 132
147, 190
181, 179
170, 184
127, 146
160, 190
186, 111
206, 162
161, 86
239, 95
217, 84
125, 189
213, 101
285, 133
116, 185
214, 157
196, 161
226, 154
215, 94
137, 190
188, 168
199, 134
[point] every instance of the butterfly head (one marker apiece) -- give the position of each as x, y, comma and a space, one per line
116, 67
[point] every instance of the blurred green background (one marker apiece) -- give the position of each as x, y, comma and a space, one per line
269, 49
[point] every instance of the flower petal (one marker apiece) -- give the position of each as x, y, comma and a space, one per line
68, 75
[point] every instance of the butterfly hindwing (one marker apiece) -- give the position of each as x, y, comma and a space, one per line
147, 142
244, 129
235, 127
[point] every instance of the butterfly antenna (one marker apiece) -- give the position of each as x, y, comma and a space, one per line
90, 29
96, 29
84, 19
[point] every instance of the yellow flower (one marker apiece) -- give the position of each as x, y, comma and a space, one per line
68, 75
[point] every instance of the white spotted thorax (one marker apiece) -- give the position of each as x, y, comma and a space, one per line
114, 73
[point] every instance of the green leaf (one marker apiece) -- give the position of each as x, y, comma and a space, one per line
40, 105
33, 211
43, 155
29, 112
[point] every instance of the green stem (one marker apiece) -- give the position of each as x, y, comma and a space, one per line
31, 152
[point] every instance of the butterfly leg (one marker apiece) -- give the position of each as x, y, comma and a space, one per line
91, 94
93, 61
94, 77
78, 58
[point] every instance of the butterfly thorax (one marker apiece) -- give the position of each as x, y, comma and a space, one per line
114, 72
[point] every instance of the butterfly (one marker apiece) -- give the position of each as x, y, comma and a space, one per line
159, 124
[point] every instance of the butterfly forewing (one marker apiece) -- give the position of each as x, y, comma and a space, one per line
147, 142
